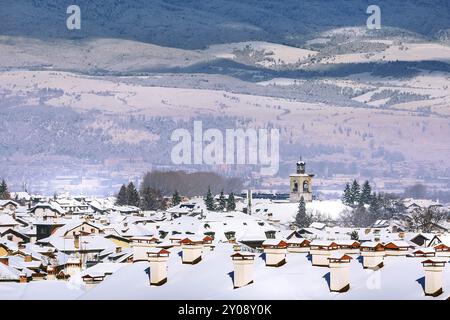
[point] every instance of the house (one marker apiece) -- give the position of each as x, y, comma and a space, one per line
96, 274
438, 239
7, 222
119, 241
84, 228
15, 236
72, 206
6, 247
421, 239
8, 205
46, 209
45, 228
7, 273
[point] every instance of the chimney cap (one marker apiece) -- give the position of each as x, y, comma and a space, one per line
340, 258
157, 252
434, 262
243, 256
269, 243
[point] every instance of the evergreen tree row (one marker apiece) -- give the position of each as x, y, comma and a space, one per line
357, 196
224, 204
147, 199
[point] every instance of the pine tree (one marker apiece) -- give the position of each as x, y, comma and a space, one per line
152, 199
354, 235
366, 193
375, 203
4, 193
209, 201
222, 202
354, 193
347, 196
132, 195
122, 198
231, 203
302, 219
176, 199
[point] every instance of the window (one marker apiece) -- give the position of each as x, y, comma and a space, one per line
270, 234
305, 186
230, 235
295, 189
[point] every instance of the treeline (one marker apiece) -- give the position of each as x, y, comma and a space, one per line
420, 191
157, 186
146, 199
190, 184
367, 206
228, 204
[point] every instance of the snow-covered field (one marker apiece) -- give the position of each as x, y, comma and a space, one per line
272, 54
403, 52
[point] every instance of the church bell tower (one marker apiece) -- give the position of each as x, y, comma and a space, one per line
301, 184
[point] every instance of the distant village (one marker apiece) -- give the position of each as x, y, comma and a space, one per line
225, 246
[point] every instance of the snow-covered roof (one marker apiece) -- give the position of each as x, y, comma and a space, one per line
87, 243
8, 273
7, 220
396, 280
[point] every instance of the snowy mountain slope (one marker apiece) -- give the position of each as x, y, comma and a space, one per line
352, 100
106, 56
195, 25
120, 109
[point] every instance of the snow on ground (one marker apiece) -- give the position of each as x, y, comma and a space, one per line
402, 52
274, 54
285, 212
40, 290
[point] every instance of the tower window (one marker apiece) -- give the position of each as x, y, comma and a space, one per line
295, 187
305, 186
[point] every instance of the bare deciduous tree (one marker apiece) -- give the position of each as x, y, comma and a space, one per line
425, 219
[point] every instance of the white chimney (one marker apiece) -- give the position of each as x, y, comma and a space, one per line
275, 251
51, 273
339, 279
141, 245
73, 265
320, 251
433, 276
76, 241
158, 266
243, 268
192, 250
372, 254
